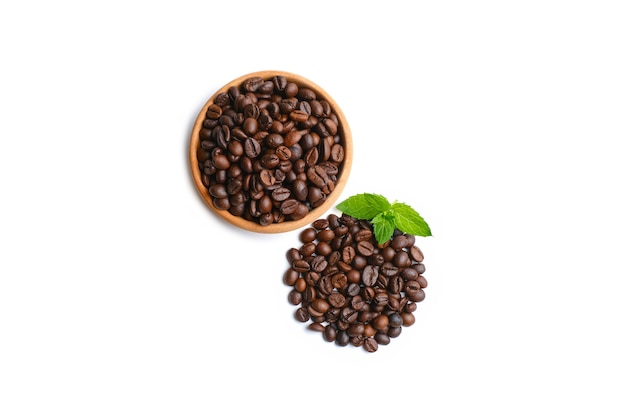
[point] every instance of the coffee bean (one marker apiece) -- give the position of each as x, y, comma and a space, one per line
369, 275
330, 333
365, 248
302, 315
252, 148
370, 344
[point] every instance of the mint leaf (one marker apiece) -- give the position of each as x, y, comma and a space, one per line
384, 226
364, 206
385, 217
409, 221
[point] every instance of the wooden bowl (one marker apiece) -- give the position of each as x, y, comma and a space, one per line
252, 224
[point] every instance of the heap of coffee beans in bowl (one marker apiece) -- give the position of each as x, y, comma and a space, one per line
270, 150
351, 289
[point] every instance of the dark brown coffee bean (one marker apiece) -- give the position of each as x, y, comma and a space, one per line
270, 161
281, 194
293, 254
311, 157
294, 297
381, 299
382, 339
365, 248
395, 320
252, 83
300, 211
416, 254
214, 111
369, 275
337, 153
266, 177
342, 339
421, 280
300, 190
330, 333
288, 206
317, 176
218, 191
402, 260
337, 300
315, 196
388, 269
305, 93
357, 302
252, 148
283, 153
300, 265
298, 115
370, 344
409, 274
319, 263
363, 235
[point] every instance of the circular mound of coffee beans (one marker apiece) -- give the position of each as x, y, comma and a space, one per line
270, 150
353, 290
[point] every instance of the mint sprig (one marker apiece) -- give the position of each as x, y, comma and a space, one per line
385, 216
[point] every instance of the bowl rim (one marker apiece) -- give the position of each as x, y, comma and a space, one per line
287, 225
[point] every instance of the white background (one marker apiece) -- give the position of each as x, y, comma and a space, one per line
501, 122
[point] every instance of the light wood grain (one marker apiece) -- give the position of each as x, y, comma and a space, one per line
287, 225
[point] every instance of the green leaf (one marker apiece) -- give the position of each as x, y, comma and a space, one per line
409, 221
384, 226
364, 206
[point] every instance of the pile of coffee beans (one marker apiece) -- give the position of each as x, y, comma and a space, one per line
353, 290
270, 150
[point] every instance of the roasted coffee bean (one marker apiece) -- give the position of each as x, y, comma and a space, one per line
292, 255
416, 254
394, 331
317, 176
337, 153
369, 275
283, 153
421, 280
295, 297
266, 177
363, 235
300, 190
382, 339
342, 339
337, 300
330, 333
395, 320
305, 93
252, 148
319, 263
402, 259
281, 194
388, 269
365, 248
408, 319
311, 157
300, 265
370, 344
252, 83
302, 315
315, 196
